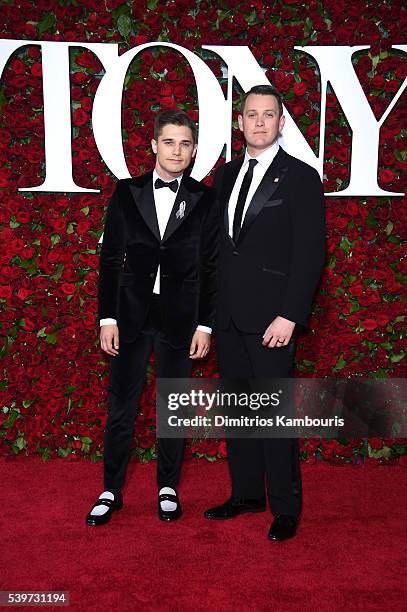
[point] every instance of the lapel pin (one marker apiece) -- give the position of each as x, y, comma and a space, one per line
276, 179
181, 211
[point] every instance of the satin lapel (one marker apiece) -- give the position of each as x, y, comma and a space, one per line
184, 204
226, 191
270, 183
144, 199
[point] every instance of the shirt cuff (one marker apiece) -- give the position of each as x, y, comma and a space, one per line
204, 328
108, 322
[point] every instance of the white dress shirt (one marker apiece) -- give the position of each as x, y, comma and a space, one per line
164, 199
264, 160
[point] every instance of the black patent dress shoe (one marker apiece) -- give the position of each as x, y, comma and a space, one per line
235, 506
169, 515
283, 527
102, 519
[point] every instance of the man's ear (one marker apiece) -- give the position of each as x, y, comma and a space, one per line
240, 122
194, 150
281, 123
154, 145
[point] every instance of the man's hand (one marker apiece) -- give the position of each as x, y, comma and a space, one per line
201, 341
278, 333
109, 339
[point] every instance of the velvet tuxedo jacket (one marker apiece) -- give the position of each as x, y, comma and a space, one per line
132, 250
274, 267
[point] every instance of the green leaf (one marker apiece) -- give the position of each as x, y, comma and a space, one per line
152, 4
124, 25
85, 210
389, 228
46, 23
3, 99
375, 61
69, 389
307, 27
20, 442
400, 155
58, 273
252, 18
13, 222
370, 219
341, 363
395, 240
328, 23
354, 308
11, 419
396, 358
55, 238
121, 10
345, 245
332, 262
52, 338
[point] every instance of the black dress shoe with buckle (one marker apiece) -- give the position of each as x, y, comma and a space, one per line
283, 527
235, 506
169, 515
101, 519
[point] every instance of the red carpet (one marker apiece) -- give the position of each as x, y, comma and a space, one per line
349, 554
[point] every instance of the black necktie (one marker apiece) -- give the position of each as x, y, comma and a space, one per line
241, 200
160, 183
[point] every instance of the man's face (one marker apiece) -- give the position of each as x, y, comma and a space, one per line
260, 122
174, 151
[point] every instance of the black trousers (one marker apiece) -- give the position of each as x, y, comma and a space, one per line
255, 463
127, 378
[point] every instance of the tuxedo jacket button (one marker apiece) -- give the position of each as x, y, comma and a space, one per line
235, 252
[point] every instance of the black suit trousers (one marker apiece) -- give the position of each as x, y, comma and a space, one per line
127, 378
254, 463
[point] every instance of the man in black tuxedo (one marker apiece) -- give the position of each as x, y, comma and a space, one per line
157, 288
270, 260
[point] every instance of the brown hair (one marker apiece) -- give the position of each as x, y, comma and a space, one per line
263, 90
174, 116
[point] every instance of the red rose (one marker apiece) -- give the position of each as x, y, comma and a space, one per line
375, 443
369, 324
299, 89
313, 129
80, 117
327, 453
36, 70
377, 81
166, 90
386, 176
68, 288
352, 208
6, 292
23, 293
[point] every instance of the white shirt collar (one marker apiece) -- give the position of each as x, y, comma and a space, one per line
156, 176
266, 157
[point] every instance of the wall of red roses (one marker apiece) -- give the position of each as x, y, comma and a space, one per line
54, 375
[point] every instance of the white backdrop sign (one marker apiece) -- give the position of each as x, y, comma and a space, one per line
215, 112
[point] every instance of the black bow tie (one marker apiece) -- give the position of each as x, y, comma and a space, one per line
160, 183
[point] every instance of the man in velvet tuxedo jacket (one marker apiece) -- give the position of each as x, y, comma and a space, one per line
270, 260
157, 288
